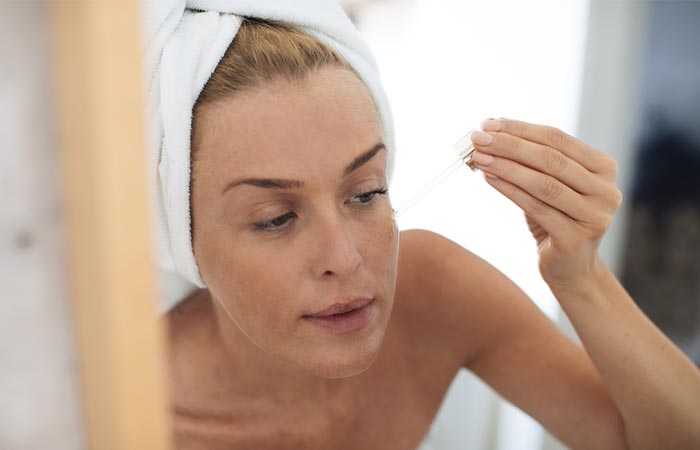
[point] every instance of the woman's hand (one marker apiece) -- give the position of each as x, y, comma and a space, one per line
566, 188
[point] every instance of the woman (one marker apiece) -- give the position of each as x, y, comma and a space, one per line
315, 332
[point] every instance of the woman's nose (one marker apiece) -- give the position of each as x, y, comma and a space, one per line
335, 249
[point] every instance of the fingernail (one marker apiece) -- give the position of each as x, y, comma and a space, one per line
491, 125
480, 138
482, 158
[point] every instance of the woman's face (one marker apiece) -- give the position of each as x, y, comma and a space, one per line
291, 217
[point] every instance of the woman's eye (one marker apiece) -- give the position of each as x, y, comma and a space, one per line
367, 197
277, 223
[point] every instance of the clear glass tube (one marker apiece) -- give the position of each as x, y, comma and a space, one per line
464, 149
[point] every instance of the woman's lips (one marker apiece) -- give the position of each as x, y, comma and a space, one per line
346, 322
342, 307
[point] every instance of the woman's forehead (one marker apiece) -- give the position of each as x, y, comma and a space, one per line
329, 117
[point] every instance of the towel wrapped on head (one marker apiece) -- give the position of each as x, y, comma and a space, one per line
184, 42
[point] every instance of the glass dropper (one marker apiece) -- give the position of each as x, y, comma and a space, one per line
464, 150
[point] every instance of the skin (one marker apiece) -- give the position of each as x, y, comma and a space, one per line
264, 377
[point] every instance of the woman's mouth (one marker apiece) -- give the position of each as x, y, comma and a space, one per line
349, 321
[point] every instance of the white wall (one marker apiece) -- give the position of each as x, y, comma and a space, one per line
39, 406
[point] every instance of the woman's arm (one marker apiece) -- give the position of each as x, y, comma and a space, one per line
654, 385
567, 190
460, 304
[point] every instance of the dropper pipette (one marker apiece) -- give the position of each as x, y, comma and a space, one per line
464, 149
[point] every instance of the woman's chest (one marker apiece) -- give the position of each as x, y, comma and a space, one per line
386, 416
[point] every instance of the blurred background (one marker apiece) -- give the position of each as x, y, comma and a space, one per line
624, 76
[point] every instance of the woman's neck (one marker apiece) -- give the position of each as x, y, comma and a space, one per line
255, 372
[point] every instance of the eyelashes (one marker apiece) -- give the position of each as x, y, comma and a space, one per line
367, 197
275, 223
283, 221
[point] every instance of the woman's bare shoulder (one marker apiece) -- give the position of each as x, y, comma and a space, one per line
424, 304
448, 294
429, 265
192, 349
190, 320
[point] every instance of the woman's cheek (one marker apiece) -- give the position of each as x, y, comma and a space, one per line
270, 282
384, 245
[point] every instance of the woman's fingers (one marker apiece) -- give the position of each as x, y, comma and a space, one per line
566, 188
590, 158
542, 187
537, 156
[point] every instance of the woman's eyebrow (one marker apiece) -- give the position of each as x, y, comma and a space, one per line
364, 158
281, 183
269, 183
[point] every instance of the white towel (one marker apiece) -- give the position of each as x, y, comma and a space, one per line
184, 41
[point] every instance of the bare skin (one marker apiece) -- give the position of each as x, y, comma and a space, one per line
250, 370
393, 403
390, 405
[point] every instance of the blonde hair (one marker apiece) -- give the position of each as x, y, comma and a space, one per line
264, 51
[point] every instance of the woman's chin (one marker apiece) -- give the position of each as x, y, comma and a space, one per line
340, 362
331, 369
329, 356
